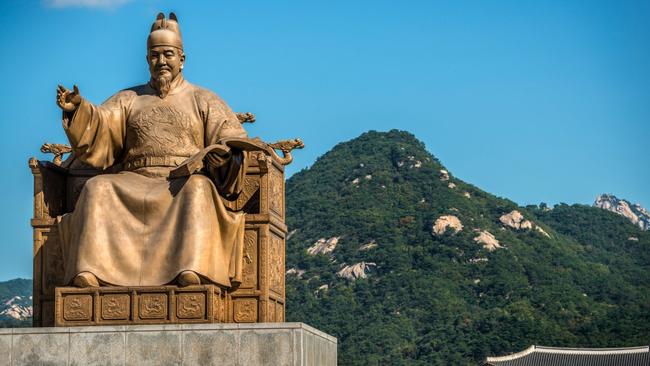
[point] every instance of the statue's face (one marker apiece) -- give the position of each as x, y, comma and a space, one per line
165, 60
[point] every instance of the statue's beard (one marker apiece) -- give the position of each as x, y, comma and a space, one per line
163, 83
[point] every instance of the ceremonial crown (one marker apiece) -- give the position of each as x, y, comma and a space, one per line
165, 32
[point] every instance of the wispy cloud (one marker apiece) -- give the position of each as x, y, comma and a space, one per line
85, 3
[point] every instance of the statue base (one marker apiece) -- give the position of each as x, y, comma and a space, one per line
274, 344
140, 305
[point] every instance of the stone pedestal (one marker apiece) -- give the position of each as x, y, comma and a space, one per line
277, 344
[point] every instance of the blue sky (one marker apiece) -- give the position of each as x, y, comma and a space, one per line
534, 101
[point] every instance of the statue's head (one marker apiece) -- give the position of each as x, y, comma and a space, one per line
165, 52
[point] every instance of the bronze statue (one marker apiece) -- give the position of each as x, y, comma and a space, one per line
141, 225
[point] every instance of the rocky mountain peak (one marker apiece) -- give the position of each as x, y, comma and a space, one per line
16, 302
634, 212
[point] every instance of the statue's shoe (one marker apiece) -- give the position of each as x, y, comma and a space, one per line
85, 279
188, 278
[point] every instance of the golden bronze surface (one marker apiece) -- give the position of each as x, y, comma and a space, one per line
286, 146
162, 181
140, 305
58, 150
247, 117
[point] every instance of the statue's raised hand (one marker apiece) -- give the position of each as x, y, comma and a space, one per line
66, 99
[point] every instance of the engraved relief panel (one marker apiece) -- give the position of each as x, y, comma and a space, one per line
249, 269
276, 264
78, 307
153, 306
270, 314
276, 192
190, 305
115, 307
279, 312
219, 308
255, 157
39, 201
118, 305
245, 310
250, 187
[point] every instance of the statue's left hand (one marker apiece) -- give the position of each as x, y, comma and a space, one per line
216, 160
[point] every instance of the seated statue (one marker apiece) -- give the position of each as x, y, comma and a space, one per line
139, 224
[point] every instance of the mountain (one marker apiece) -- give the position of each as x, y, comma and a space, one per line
634, 212
408, 265
16, 303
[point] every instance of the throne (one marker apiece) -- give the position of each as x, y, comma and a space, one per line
260, 297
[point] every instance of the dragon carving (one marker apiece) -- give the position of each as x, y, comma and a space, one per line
57, 149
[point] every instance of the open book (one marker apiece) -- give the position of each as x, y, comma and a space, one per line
195, 163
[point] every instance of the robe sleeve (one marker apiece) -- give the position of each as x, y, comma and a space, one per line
221, 122
97, 133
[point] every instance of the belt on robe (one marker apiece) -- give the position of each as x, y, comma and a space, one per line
147, 161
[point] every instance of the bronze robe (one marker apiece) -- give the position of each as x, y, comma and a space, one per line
140, 227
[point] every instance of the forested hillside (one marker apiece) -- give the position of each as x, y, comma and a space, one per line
408, 265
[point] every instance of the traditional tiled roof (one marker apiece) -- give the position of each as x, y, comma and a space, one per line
552, 356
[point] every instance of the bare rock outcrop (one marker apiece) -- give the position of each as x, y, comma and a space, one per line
324, 246
488, 240
322, 288
295, 272
14, 309
478, 260
637, 215
354, 271
291, 233
515, 220
542, 231
368, 246
446, 222
444, 175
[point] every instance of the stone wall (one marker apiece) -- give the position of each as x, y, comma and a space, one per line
291, 344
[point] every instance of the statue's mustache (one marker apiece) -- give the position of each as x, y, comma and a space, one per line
162, 72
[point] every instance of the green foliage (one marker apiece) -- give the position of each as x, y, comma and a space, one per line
442, 300
15, 287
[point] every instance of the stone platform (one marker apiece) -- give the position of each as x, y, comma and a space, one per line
277, 344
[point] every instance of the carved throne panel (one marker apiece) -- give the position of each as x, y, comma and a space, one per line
259, 298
